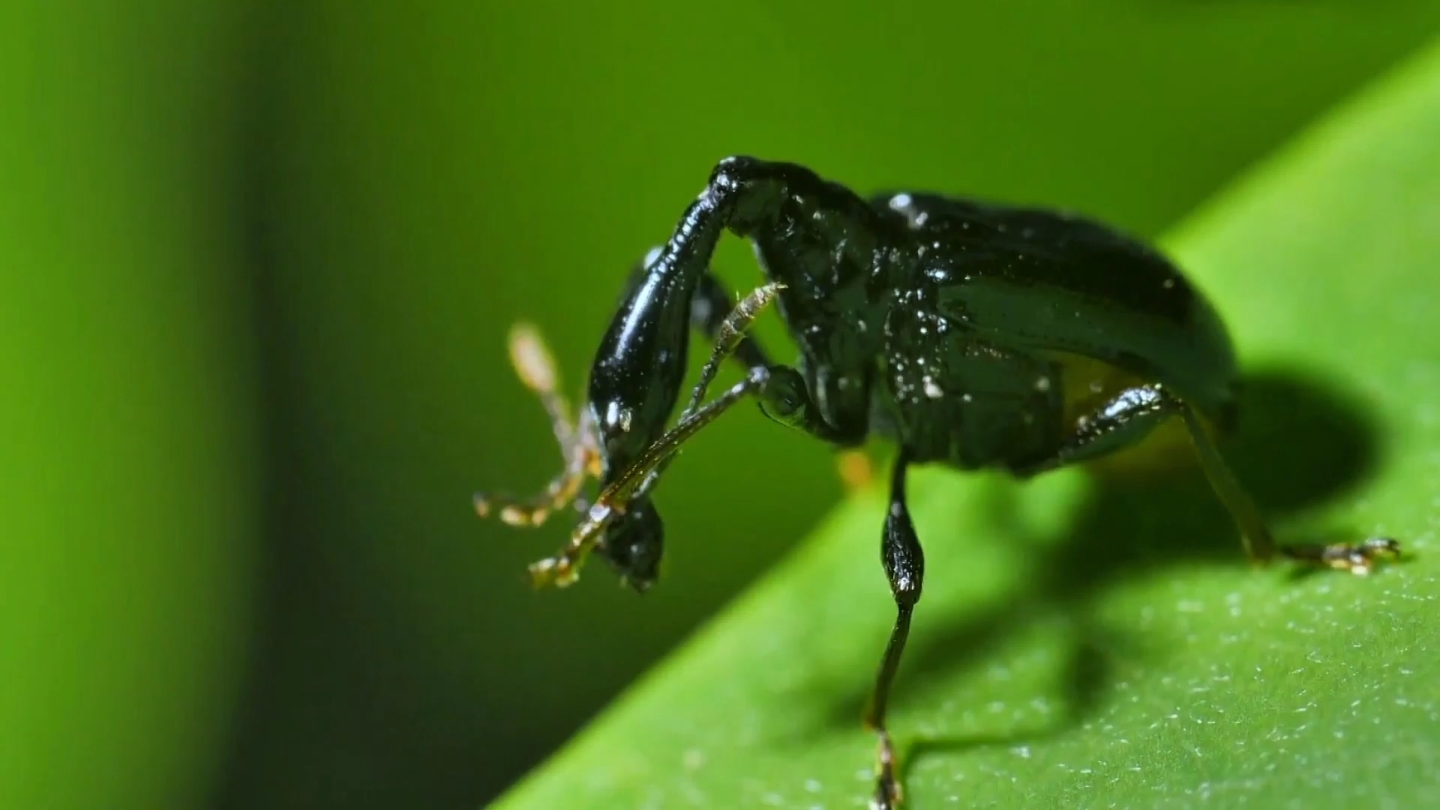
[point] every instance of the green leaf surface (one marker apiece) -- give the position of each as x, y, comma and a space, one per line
1100, 642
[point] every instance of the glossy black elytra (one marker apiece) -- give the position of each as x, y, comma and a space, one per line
970, 334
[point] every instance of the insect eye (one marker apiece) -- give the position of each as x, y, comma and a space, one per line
785, 399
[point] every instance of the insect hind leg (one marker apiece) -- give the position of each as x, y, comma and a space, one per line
1135, 412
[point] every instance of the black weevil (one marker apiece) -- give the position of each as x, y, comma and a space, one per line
969, 334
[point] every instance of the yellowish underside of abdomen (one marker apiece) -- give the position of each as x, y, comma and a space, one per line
1090, 384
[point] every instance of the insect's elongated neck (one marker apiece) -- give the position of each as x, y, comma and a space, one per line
639, 367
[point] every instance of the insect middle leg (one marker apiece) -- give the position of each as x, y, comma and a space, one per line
535, 365
904, 562
1135, 412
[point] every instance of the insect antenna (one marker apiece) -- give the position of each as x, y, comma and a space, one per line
732, 331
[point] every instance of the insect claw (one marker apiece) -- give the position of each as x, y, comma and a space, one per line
1382, 547
513, 511
1361, 557
517, 516
558, 572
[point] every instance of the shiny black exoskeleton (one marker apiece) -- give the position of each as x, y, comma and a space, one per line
972, 335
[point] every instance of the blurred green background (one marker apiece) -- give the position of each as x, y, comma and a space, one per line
259, 263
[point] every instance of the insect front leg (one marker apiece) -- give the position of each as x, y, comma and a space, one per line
535, 366
635, 480
904, 562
